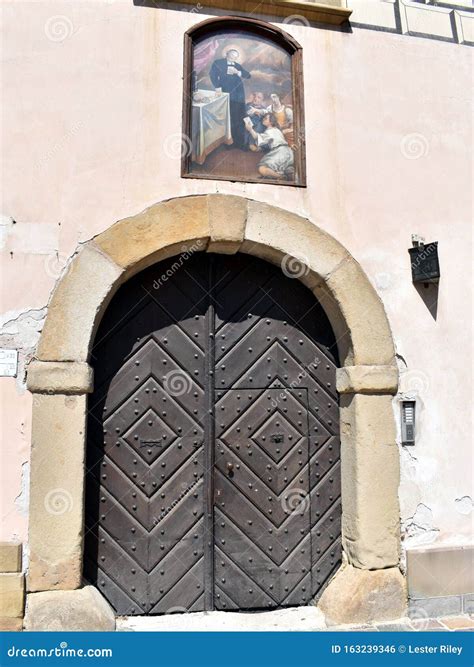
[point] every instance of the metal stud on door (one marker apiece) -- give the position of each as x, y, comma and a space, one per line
262, 504
271, 332
213, 448
145, 502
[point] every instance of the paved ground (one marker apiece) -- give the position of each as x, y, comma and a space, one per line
452, 623
293, 619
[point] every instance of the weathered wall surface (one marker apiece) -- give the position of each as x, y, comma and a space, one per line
91, 134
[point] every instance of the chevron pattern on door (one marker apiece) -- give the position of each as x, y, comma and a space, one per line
272, 334
145, 504
262, 517
213, 446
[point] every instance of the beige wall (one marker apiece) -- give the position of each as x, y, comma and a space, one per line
91, 119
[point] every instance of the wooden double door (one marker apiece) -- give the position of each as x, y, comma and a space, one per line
213, 465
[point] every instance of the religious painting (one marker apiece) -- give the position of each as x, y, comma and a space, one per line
243, 104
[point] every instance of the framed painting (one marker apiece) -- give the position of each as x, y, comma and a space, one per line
243, 117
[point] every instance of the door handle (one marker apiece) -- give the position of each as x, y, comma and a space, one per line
230, 468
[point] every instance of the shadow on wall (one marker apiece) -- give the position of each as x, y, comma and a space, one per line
429, 294
443, 22
199, 8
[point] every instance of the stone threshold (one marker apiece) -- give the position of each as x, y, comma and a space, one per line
307, 619
293, 619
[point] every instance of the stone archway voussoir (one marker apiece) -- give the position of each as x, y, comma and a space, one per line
76, 304
363, 314
227, 220
141, 240
286, 235
337, 280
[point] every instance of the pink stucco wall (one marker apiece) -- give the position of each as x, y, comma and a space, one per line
92, 104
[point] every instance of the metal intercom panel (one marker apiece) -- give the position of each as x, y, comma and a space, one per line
408, 422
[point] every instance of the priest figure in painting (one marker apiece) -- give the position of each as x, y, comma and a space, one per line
226, 76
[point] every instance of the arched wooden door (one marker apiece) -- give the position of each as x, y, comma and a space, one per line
213, 465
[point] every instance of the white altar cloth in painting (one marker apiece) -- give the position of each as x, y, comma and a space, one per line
210, 123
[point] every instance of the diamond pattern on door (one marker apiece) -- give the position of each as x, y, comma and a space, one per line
262, 518
139, 436
276, 436
145, 503
213, 472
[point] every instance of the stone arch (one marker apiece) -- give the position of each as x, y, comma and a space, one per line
60, 378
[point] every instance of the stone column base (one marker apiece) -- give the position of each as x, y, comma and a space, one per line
82, 609
361, 596
11, 624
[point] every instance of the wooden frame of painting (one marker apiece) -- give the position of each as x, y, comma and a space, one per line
243, 114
